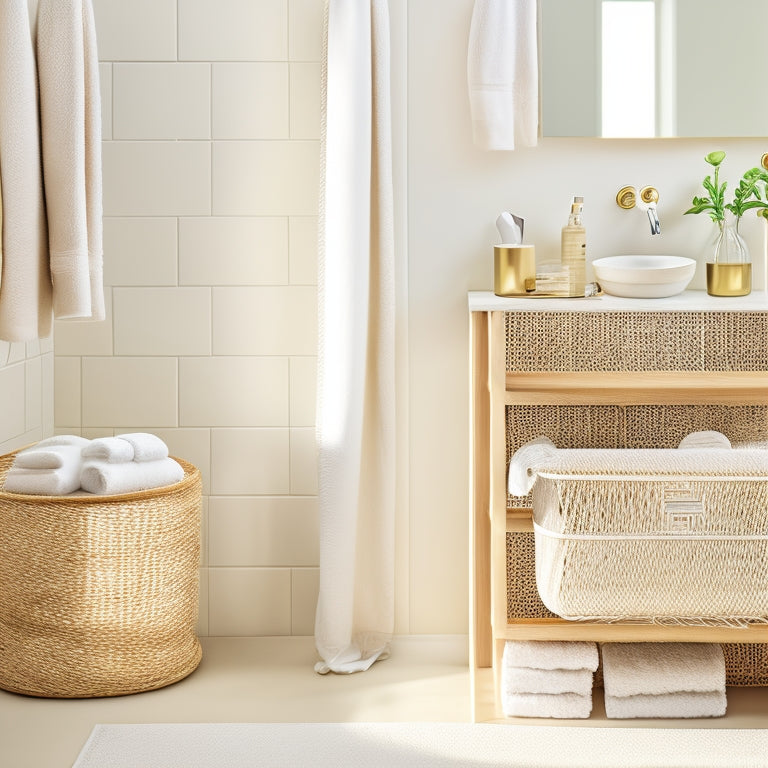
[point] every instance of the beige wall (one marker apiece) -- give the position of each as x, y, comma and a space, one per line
211, 127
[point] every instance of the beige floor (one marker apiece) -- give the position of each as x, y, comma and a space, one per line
271, 680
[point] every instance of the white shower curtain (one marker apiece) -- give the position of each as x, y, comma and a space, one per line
356, 359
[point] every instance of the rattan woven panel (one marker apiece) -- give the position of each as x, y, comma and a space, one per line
636, 341
664, 426
523, 601
567, 426
736, 341
746, 664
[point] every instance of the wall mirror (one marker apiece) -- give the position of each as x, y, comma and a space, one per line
653, 68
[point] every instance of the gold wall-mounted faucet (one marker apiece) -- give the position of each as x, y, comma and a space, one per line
646, 199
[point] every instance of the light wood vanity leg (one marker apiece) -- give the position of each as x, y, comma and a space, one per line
480, 474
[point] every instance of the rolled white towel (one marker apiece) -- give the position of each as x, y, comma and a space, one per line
111, 449
559, 705
683, 704
61, 440
631, 669
528, 680
105, 479
44, 482
525, 462
53, 457
146, 446
550, 654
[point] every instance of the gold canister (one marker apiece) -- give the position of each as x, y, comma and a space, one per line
514, 272
729, 279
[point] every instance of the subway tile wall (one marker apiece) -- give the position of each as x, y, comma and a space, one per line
211, 118
26, 376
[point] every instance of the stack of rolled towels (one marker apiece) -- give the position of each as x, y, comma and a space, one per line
548, 678
648, 680
105, 466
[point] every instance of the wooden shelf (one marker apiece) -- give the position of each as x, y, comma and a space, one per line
637, 388
560, 629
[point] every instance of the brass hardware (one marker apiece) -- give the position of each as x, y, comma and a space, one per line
729, 279
649, 195
764, 161
626, 198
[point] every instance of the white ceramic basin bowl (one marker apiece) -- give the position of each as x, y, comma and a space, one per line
644, 277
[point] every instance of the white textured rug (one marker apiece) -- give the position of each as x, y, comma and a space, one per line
417, 745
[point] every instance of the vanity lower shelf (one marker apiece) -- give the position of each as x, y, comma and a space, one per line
560, 629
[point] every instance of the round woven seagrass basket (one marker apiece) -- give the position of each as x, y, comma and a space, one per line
99, 594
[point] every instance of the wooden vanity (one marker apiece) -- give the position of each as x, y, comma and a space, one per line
603, 372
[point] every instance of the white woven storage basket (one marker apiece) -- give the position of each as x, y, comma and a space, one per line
663, 536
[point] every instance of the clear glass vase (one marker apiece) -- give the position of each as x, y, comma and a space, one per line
730, 271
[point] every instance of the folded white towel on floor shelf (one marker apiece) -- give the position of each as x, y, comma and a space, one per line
681, 704
105, 479
44, 482
560, 705
631, 669
146, 446
545, 654
52, 457
111, 449
528, 680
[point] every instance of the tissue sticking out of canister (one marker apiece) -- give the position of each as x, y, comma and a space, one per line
511, 228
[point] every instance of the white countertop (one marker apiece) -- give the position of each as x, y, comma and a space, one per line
688, 301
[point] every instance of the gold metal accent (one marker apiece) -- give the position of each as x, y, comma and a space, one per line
729, 279
626, 198
764, 161
649, 195
514, 270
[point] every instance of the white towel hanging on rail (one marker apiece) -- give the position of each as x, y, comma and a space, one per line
503, 75
70, 113
25, 292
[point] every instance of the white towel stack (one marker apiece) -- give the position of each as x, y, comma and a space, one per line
679, 680
51, 467
131, 462
64, 464
548, 679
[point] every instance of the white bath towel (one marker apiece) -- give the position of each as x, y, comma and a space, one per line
70, 114
106, 479
546, 654
111, 449
705, 439
528, 680
683, 704
503, 74
146, 446
52, 457
524, 463
560, 705
25, 292
46, 482
82, 442
631, 669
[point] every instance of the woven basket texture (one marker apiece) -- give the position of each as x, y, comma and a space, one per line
99, 594
636, 341
653, 545
746, 664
